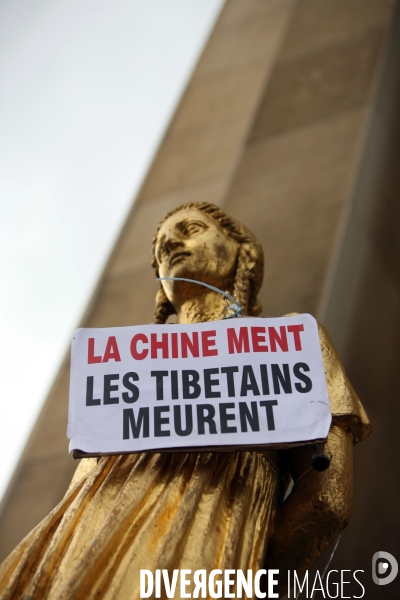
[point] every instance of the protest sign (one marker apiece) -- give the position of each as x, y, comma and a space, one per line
224, 384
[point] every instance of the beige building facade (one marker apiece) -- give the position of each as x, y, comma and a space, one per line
291, 123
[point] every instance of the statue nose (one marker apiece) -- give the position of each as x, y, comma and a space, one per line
170, 243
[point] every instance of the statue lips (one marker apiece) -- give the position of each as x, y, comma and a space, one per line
176, 257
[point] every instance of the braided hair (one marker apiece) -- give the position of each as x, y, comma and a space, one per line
249, 270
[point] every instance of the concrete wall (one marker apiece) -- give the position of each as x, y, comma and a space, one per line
273, 126
361, 308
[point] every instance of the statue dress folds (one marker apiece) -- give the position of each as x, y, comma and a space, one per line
198, 510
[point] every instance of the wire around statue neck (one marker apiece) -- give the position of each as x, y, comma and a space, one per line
235, 306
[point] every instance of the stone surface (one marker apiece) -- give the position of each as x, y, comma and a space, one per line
195, 157
49, 437
317, 25
207, 132
218, 98
292, 172
239, 12
126, 299
316, 86
243, 42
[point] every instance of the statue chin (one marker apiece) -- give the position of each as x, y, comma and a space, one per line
197, 510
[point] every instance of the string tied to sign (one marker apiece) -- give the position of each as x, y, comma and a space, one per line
233, 307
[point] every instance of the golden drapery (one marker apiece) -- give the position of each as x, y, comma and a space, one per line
197, 510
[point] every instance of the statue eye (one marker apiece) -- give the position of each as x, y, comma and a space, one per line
161, 252
193, 227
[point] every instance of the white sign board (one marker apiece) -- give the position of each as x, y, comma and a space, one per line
232, 383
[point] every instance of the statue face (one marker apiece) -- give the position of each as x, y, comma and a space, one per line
192, 244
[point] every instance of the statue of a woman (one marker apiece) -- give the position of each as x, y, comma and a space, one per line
198, 510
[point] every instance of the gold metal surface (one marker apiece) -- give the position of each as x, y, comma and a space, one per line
194, 510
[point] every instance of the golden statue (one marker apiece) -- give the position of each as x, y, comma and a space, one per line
197, 510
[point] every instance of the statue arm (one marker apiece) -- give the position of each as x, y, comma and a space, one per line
308, 520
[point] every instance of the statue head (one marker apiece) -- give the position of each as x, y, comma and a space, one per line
199, 241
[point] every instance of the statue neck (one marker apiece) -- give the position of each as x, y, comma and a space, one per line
205, 306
